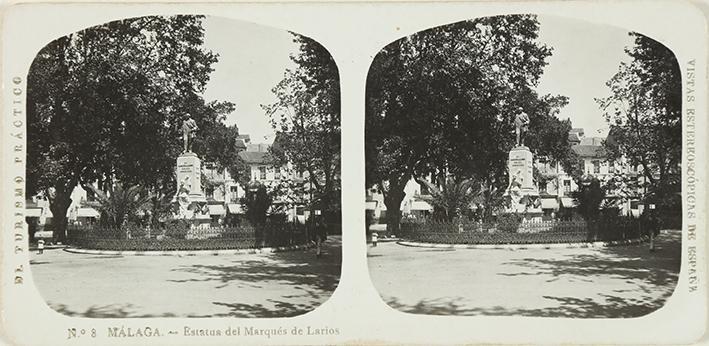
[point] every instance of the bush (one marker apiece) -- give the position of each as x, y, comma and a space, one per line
245, 237
508, 222
134, 230
615, 227
177, 229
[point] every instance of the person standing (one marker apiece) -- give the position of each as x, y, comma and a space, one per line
320, 234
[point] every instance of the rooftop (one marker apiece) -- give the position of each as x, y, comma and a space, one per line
257, 147
598, 141
255, 157
592, 151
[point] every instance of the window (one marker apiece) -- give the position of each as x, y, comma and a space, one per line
543, 186
611, 167
234, 193
567, 185
424, 189
90, 195
596, 166
300, 211
262, 173
277, 173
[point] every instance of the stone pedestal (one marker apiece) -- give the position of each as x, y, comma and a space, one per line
520, 165
521, 191
189, 197
189, 176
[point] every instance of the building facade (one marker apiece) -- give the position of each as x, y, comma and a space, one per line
223, 193
555, 188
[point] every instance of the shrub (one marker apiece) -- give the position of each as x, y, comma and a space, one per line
508, 222
589, 196
177, 229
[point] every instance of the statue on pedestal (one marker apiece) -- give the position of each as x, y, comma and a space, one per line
521, 125
189, 127
183, 199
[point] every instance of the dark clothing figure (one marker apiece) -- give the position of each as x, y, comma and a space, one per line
189, 127
320, 234
521, 126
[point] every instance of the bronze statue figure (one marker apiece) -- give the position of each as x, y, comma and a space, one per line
521, 125
189, 127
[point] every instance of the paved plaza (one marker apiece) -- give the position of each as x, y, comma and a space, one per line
622, 281
243, 285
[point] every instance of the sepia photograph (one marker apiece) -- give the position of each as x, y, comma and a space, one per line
348, 173
524, 165
183, 166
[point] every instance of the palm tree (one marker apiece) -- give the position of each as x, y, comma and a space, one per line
453, 197
121, 204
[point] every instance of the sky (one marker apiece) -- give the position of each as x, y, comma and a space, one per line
585, 56
252, 60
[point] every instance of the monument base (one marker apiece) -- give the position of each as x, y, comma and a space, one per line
522, 194
189, 199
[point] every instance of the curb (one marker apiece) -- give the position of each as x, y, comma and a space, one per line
181, 253
385, 240
597, 244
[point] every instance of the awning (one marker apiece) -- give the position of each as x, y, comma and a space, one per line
33, 212
550, 203
87, 212
421, 205
568, 202
48, 212
235, 208
370, 205
216, 209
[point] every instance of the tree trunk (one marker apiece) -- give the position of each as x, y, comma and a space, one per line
392, 200
59, 205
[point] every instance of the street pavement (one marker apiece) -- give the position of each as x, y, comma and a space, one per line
621, 281
243, 285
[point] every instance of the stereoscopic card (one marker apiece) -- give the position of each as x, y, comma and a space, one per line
354, 173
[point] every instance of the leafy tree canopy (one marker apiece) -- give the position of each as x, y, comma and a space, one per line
108, 102
443, 101
645, 115
306, 117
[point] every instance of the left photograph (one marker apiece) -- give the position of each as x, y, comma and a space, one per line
184, 166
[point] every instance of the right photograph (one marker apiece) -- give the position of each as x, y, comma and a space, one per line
524, 165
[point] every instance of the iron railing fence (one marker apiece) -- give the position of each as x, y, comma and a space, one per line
176, 238
541, 232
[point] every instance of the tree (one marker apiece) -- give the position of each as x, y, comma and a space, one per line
217, 142
453, 198
589, 196
644, 111
106, 103
256, 203
121, 204
442, 102
306, 117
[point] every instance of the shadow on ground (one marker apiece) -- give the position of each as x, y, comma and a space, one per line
311, 278
569, 307
106, 311
280, 284
282, 309
651, 278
